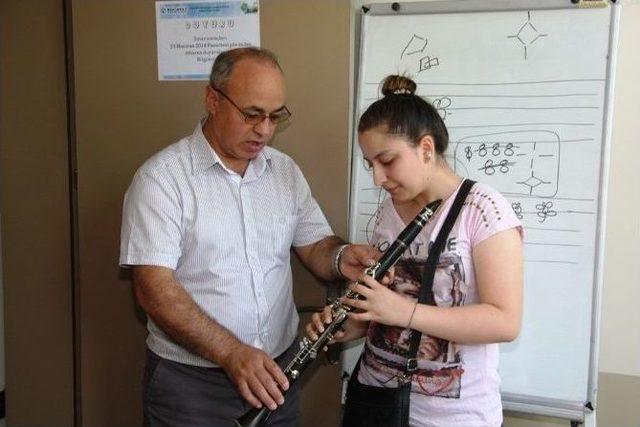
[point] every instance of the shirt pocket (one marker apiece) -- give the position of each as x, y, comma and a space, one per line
280, 236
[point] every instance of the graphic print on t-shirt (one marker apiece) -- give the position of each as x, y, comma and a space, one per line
439, 361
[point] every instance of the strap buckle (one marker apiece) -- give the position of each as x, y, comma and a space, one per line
412, 365
406, 376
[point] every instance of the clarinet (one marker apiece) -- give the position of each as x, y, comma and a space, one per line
309, 350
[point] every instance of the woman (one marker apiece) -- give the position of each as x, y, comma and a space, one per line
478, 281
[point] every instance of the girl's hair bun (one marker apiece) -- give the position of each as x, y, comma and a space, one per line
398, 85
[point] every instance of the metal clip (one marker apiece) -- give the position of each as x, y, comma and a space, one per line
406, 376
412, 365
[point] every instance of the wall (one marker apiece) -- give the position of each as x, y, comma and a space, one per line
36, 246
619, 379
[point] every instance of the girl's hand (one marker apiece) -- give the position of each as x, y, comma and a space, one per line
381, 304
318, 323
350, 330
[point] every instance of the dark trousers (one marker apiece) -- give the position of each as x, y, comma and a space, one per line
178, 395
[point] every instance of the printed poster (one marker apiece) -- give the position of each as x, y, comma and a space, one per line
191, 34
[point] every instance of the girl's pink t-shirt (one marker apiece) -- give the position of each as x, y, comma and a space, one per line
455, 384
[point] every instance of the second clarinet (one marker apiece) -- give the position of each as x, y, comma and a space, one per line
309, 350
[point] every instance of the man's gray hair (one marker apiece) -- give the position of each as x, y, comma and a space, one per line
224, 63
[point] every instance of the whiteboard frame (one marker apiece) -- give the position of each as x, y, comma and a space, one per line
604, 189
570, 410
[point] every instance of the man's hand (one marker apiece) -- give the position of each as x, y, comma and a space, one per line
350, 330
356, 258
259, 379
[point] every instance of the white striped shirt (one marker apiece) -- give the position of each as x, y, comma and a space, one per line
227, 237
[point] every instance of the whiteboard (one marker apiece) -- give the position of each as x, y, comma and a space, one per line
524, 88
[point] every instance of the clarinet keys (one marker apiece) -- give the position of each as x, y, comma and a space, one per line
307, 348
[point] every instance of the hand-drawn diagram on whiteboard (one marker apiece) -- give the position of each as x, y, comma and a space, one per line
416, 46
527, 35
530, 158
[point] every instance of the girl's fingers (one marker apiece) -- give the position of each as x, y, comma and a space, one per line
318, 323
360, 317
355, 303
371, 282
388, 278
327, 315
311, 332
361, 289
337, 336
315, 327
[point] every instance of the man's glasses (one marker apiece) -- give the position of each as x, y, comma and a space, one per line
277, 117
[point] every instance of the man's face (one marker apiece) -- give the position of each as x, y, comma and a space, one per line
255, 87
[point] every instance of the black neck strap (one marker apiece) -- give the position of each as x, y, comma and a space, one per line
426, 289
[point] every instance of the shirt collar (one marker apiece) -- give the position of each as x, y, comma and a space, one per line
260, 163
203, 156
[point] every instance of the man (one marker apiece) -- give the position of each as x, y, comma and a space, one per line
208, 224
